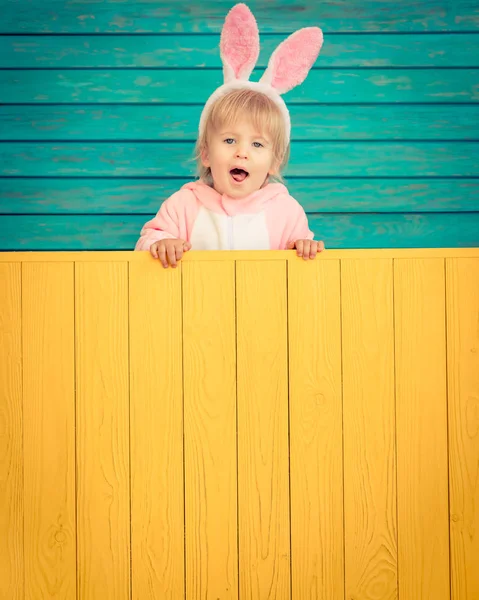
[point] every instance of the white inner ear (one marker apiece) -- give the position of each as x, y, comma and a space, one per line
267, 76
228, 73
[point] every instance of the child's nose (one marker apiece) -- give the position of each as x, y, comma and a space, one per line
241, 151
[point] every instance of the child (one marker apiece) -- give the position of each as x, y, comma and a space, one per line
243, 143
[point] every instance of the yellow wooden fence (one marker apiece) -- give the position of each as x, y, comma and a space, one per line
246, 426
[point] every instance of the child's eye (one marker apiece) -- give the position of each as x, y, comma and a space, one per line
229, 140
260, 145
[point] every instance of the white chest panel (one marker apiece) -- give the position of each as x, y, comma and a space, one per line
213, 231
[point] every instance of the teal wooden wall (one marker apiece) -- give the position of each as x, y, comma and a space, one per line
100, 101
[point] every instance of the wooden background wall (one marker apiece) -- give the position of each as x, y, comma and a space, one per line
99, 105
251, 427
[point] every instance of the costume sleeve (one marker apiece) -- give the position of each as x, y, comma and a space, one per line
287, 222
300, 228
169, 222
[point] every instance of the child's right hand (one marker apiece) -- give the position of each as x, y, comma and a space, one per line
169, 250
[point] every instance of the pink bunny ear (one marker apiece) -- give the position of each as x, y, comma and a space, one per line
291, 61
239, 45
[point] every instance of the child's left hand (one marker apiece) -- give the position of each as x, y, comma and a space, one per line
306, 248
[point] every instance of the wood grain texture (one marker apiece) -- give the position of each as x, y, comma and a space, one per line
156, 412
317, 535
202, 256
43, 122
263, 461
169, 159
103, 486
12, 565
435, 316
174, 16
339, 85
48, 317
43, 232
462, 307
95, 197
371, 566
209, 347
421, 416
189, 51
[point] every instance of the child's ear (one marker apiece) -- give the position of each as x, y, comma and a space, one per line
274, 169
205, 160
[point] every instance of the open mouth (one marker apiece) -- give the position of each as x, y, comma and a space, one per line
239, 175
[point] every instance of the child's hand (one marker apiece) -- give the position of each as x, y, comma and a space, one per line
169, 249
306, 248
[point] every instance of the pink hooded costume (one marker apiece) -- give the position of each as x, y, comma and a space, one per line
269, 218
265, 220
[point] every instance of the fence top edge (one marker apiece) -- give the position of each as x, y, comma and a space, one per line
235, 255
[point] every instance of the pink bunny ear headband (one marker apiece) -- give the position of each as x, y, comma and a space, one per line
288, 66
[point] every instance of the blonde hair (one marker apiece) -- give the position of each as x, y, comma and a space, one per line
264, 115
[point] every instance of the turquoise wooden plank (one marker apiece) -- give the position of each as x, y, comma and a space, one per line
195, 86
169, 122
173, 16
183, 50
337, 230
144, 196
312, 159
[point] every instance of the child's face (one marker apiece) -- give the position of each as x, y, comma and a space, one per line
238, 146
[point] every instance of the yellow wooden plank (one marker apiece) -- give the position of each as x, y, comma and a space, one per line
263, 478
210, 431
103, 522
156, 409
228, 255
369, 433
11, 443
314, 319
462, 289
423, 536
49, 430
